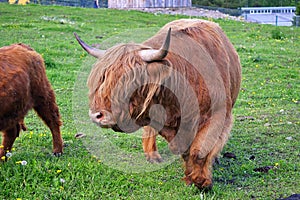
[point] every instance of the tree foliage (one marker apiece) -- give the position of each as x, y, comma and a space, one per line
245, 3
298, 8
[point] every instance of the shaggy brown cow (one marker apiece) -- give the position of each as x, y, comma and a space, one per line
185, 89
23, 86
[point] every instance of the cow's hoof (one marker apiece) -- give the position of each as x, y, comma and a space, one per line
188, 181
57, 154
155, 160
203, 184
205, 188
200, 183
153, 157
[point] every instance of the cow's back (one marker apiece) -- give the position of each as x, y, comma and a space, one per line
15, 82
203, 43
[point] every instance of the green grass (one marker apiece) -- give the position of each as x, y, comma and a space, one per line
267, 113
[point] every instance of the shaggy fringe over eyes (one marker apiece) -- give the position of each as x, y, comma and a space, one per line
120, 71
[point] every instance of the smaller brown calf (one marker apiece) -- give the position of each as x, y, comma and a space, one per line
23, 86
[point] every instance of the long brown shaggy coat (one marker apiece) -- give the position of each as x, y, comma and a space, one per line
23, 86
196, 85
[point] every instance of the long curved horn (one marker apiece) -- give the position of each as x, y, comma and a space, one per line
91, 50
152, 55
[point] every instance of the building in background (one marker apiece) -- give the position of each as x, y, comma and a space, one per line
279, 16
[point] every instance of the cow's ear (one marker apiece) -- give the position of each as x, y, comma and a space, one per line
158, 72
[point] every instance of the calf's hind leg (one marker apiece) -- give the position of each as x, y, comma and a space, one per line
46, 108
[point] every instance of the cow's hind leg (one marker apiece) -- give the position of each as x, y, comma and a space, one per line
46, 108
8, 138
149, 145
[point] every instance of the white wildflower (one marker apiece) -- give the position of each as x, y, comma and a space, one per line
8, 154
23, 162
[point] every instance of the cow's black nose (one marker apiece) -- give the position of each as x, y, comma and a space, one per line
99, 115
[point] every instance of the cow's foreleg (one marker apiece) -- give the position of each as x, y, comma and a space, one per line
201, 175
8, 138
207, 144
47, 109
188, 164
149, 145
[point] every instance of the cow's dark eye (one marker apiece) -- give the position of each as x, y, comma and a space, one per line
102, 79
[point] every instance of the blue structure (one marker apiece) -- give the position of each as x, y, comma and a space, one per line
279, 16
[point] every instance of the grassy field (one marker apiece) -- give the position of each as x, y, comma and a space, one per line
265, 133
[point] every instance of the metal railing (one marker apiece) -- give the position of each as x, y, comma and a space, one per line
296, 21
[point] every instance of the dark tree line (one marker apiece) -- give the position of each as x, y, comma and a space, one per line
245, 3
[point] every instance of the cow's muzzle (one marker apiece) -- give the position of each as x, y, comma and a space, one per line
105, 119
102, 118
